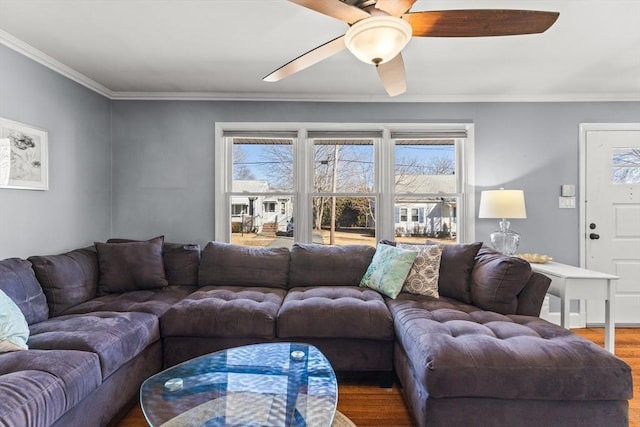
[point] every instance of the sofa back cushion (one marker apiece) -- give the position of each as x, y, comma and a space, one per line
19, 282
456, 263
225, 264
323, 265
67, 279
131, 266
532, 296
456, 266
180, 261
497, 279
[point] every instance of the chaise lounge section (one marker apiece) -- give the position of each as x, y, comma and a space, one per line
479, 348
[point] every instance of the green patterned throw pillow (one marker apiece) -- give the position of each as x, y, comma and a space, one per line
388, 270
14, 331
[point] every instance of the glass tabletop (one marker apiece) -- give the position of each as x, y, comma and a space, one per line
275, 384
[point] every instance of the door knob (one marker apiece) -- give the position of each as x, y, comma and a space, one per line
594, 236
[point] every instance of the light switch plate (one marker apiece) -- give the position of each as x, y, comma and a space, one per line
567, 202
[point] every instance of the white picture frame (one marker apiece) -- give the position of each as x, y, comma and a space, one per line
24, 156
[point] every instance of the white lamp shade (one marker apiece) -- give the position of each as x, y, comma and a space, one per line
378, 39
502, 204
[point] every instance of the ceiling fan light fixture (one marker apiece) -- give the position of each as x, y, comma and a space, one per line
378, 39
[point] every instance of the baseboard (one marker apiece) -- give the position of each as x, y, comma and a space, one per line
575, 320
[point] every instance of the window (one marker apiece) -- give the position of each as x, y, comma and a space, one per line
427, 183
343, 183
625, 166
269, 207
343, 205
238, 209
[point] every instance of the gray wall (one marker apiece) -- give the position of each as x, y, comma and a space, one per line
162, 154
75, 210
163, 159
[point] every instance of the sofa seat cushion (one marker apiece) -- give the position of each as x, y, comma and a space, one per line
225, 311
335, 312
38, 386
145, 301
476, 353
115, 337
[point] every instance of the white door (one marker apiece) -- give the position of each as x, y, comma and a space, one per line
612, 214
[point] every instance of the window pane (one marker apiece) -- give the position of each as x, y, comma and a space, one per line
626, 166
435, 219
625, 175
344, 220
343, 166
425, 166
262, 220
262, 165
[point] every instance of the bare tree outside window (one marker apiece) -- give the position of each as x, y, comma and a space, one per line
241, 170
626, 166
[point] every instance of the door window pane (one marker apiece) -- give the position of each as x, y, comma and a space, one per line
625, 166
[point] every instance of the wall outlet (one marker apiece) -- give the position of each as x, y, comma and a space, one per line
567, 202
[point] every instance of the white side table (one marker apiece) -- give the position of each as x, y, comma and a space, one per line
575, 283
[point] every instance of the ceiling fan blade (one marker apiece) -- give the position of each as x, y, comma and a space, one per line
395, 7
479, 23
392, 75
335, 8
307, 59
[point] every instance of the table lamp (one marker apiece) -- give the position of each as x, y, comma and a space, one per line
503, 204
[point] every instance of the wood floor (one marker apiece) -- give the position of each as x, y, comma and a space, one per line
368, 405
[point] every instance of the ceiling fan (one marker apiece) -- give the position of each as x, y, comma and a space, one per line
379, 30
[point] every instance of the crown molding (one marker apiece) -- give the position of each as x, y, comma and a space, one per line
40, 57
407, 98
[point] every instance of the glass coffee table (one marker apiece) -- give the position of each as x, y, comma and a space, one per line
275, 384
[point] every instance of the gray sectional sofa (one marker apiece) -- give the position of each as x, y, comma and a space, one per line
478, 355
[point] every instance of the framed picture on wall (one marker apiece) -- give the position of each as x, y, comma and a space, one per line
24, 161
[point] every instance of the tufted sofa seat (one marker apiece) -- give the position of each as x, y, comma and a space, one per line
218, 317
448, 352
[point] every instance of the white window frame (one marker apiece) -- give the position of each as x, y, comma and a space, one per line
384, 158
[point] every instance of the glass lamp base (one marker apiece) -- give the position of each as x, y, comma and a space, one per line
505, 241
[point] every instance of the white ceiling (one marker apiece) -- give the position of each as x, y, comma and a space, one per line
221, 49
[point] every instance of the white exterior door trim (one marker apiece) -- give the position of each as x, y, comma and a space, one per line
585, 129
582, 166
